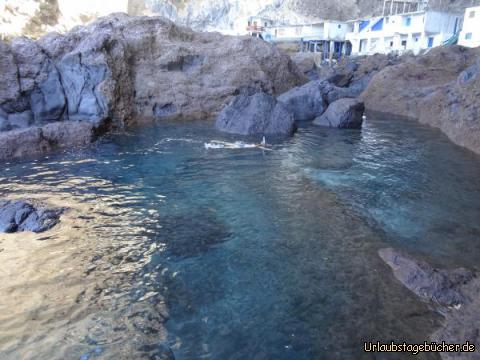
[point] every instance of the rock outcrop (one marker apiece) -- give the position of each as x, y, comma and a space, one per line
38, 140
356, 72
18, 216
258, 114
456, 293
440, 88
343, 114
120, 68
307, 64
308, 101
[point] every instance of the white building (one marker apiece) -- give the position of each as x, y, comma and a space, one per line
470, 34
398, 33
327, 37
257, 26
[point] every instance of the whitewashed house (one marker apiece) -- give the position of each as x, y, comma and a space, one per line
398, 33
326, 37
470, 34
257, 25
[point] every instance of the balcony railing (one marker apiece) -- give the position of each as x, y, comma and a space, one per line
255, 28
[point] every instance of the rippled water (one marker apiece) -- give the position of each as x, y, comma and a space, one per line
169, 249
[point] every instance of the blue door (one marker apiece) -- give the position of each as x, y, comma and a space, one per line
430, 42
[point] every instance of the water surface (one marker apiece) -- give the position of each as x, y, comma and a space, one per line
246, 254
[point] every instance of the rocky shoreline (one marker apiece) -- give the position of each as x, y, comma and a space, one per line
65, 90
440, 89
453, 293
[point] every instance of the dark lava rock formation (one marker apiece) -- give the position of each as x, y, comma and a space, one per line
455, 293
342, 114
258, 114
121, 68
16, 216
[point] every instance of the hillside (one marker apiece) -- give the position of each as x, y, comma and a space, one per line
33, 18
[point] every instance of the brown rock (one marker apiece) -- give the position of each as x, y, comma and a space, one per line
440, 89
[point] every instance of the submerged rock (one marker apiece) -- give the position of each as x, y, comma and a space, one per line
16, 216
188, 235
258, 114
343, 114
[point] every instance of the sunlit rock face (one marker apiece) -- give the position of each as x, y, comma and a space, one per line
36, 17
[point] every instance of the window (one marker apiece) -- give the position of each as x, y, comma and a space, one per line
408, 21
468, 36
471, 15
391, 43
404, 44
416, 39
378, 26
339, 26
363, 44
266, 25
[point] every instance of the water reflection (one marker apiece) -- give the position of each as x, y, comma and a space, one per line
168, 249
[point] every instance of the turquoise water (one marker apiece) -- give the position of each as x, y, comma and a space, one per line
271, 254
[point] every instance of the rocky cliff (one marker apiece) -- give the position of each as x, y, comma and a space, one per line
36, 17
64, 88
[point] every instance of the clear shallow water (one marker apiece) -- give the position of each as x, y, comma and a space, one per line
261, 255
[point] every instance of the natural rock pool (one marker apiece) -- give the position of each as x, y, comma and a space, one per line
234, 254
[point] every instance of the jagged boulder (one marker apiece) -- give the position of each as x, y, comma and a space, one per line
18, 216
342, 114
121, 68
455, 292
258, 114
307, 101
440, 286
312, 99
